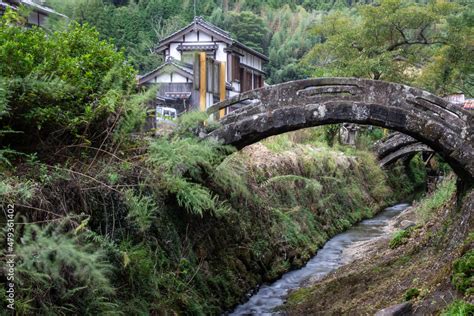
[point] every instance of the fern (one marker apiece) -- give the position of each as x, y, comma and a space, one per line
192, 122
48, 259
135, 112
310, 183
142, 210
197, 199
185, 164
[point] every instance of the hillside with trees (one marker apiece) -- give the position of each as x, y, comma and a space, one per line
423, 43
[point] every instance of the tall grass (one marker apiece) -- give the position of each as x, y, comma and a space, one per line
430, 204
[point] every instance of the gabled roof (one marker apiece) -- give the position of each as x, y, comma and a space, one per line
181, 68
199, 24
32, 4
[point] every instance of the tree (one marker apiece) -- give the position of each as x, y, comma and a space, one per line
391, 41
245, 26
289, 43
451, 69
60, 86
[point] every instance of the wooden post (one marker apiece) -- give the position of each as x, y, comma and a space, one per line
202, 81
222, 87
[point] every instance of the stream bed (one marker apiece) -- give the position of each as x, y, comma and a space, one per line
333, 255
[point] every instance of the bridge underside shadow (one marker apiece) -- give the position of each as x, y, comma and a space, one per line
290, 106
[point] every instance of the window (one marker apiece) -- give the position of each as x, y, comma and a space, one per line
246, 82
236, 67
258, 81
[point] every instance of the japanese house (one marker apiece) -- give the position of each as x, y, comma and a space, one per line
203, 65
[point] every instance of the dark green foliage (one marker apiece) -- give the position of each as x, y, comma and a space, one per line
246, 26
411, 294
61, 86
399, 238
406, 179
463, 273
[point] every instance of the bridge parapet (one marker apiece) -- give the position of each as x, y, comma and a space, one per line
306, 103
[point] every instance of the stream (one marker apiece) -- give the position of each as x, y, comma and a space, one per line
333, 255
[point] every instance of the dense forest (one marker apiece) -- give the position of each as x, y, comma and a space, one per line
422, 43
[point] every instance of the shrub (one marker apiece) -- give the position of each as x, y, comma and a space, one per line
411, 294
186, 164
141, 210
60, 273
61, 85
458, 308
463, 273
400, 238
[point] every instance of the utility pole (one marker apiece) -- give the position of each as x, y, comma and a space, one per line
194, 8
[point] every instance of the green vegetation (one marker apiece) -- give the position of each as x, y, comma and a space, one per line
421, 43
458, 308
399, 238
114, 223
177, 221
411, 294
60, 88
463, 273
424, 209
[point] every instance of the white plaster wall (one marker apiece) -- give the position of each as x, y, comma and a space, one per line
251, 60
204, 37
177, 78
163, 78
191, 36
220, 54
174, 51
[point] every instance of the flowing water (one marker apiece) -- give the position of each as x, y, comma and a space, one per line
332, 256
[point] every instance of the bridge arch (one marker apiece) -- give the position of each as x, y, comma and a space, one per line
403, 152
398, 146
290, 106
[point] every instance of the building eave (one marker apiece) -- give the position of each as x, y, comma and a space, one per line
254, 69
35, 6
199, 24
156, 72
250, 50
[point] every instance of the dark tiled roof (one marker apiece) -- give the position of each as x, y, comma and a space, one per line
200, 22
186, 68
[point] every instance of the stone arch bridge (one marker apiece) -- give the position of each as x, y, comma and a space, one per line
290, 106
398, 146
